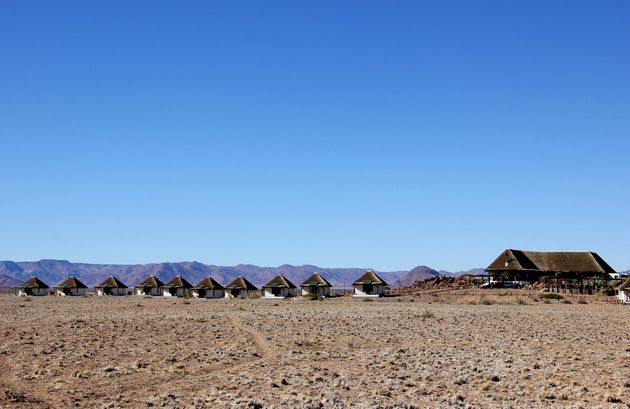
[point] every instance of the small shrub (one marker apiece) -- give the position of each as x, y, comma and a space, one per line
521, 301
552, 296
186, 302
567, 302
27, 299
546, 301
367, 300
311, 297
582, 301
486, 301
427, 314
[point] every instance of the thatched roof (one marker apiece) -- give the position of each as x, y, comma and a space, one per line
550, 262
370, 277
241, 283
208, 283
279, 281
625, 285
315, 280
33, 282
178, 282
71, 282
151, 281
111, 282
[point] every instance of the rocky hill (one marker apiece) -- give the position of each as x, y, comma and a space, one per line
416, 274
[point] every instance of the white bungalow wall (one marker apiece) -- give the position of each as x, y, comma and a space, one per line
624, 296
35, 292
113, 291
181, 292
209, 294
284, 292
377, 291
321, 291
243, 294
153, 291
73, 292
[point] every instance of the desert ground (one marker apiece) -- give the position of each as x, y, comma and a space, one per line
446, 350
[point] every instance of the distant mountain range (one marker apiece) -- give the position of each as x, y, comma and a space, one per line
54, 271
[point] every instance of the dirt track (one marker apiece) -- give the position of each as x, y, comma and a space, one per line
140, 352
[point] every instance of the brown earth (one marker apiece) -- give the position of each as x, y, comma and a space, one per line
451, 350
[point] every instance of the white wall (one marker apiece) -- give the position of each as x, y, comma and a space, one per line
243, 294
624, 296
153, 291
36, 292
209, 293
377, 291
284, 292
181, 292
73, 292
113, 291
321, 291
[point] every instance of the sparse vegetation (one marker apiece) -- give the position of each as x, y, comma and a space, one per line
427, 314
552, 296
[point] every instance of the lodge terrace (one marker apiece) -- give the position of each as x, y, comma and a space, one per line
582, 271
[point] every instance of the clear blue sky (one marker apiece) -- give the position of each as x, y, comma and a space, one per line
341, 133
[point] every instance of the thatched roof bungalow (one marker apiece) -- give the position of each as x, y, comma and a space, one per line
111, 286
208, 288
623, 292
240, 287
178, 286
369, 285
33, 286
532, 265
149, 286
315, 284
71, 286
279, 287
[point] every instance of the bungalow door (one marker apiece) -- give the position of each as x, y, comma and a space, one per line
201, 293
368, 288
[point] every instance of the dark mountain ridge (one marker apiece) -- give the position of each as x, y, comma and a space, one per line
54, 271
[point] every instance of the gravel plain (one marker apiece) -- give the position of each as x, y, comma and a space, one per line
407, 352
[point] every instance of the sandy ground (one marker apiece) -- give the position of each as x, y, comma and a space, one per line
106, 352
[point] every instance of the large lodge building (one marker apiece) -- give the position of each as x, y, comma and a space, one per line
520, 265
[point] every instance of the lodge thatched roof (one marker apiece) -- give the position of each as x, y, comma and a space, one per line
33, 282
178, 282
315, 280
370, 277
550, 262
625, 285
111, 282
241, 283
208, 283
151, 281
71, 282
279, 281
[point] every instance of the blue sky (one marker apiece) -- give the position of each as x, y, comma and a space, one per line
353, 133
